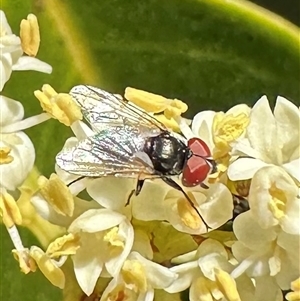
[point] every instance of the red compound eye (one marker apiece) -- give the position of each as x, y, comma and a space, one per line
199, 147
197, 168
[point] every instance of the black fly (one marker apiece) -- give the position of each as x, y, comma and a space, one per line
128, 142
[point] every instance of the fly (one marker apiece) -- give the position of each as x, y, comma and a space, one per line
128, 142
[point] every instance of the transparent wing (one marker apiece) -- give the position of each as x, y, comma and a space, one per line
102, 109
113, 151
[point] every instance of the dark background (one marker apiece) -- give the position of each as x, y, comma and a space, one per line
289, 9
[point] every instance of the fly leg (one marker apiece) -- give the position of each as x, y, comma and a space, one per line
136, 191
173, 184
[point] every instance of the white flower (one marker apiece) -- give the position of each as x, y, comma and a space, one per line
138, 279
158, 201
271, 139
18, 152
207, 274
11, 54
274, 200
106, 238
265, 252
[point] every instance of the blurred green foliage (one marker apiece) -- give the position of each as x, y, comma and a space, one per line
210, 53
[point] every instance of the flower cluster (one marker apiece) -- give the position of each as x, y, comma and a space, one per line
235, 238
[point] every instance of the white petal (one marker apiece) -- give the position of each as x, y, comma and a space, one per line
210, 246
248, 231
291, 221
218, 208
244, 168
262, 132
95, 220
111, 192
114, 265
149, 204
31, 63
159, 277
11, 111
267, 289
22, 150
202, 126
261, 198
88, 263
5, 28
5, 69
211, 261
46, 211
293, 168
148, 296
288, 124
238, 109
186, 273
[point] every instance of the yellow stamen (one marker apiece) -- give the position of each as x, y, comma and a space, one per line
60, 106
57, 194
169, 123
114, 240
295, 295
30, 35
133, 272
26, 263
226, 129
148, 101
176, 108
53, 273
65, 245
227, 285
5, 157
277, 202
188, 214
9, 210
156, 103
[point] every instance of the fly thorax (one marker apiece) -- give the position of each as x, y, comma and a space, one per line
167, 153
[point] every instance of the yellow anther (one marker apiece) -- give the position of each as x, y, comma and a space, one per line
148, 101
295, 295
277, 202
133, 272
59, 105
175, 108
227, 285
5, 157
30, 35
169, 123
226, 129
9, 210
26, 263
48, 267
156, 103
65, 245
188, 214
57, 194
